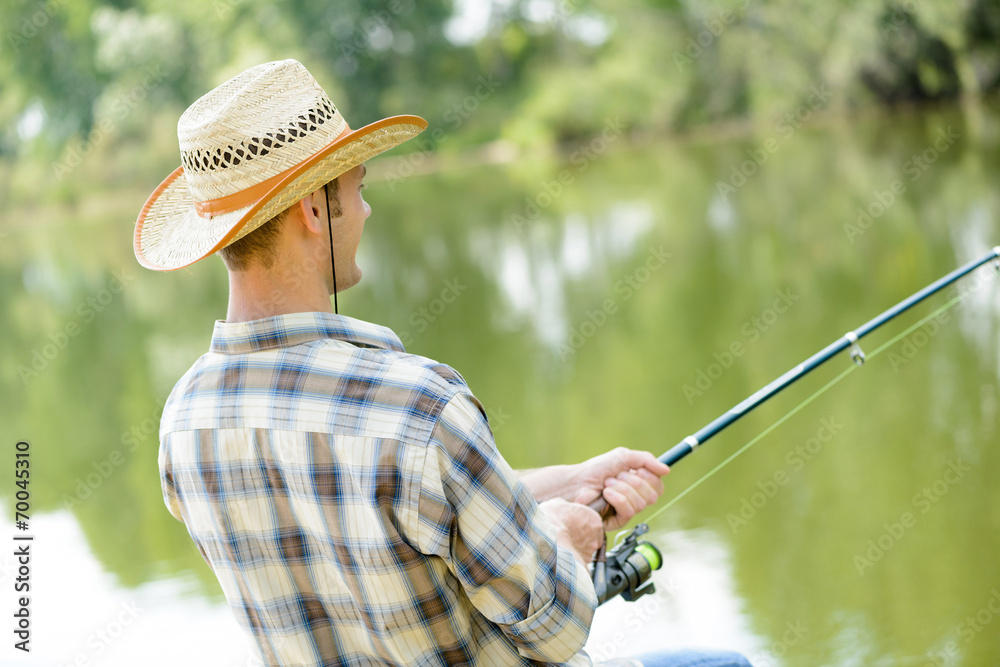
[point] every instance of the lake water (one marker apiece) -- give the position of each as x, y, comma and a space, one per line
625, 292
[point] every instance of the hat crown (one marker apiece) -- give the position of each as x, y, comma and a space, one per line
251, 148
253, 127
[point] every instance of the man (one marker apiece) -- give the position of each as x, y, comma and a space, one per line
349, 496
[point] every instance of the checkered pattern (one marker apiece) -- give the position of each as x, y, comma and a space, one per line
352, 503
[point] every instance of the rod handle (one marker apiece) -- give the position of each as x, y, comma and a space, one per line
676, 453
602, 507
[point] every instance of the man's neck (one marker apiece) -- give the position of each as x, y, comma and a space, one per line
258, 293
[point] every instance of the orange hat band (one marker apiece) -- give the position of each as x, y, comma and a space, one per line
249, 196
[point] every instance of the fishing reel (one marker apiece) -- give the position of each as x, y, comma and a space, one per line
626, 569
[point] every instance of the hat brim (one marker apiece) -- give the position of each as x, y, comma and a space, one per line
170, 234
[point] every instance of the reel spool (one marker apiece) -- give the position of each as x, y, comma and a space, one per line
626, 569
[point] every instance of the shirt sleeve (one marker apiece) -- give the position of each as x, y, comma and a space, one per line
167, 483
478, 516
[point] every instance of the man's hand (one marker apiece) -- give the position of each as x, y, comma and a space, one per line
628, 479
578, 528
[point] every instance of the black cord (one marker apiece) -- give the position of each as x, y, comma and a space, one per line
333, 263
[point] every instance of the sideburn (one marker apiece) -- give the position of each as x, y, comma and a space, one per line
333, 198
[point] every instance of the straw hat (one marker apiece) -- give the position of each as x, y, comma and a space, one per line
250, 149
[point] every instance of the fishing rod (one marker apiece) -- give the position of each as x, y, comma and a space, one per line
628, 566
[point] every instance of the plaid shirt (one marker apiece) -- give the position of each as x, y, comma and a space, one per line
353, 505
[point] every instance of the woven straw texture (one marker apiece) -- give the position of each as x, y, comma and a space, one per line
272, 123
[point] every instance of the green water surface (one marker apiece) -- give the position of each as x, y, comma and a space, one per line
625, 294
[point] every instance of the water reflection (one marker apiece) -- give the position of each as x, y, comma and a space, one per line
696, 604
83, 615
521, 296
541, 265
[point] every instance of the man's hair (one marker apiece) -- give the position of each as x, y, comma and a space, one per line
258, 245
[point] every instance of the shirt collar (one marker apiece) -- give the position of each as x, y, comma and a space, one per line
297, 328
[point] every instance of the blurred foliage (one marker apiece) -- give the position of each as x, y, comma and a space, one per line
91, 95
558, 70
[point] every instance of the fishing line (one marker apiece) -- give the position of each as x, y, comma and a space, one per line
817, 394
333, 264
627, 568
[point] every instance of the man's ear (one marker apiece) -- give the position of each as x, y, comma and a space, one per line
307, 210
